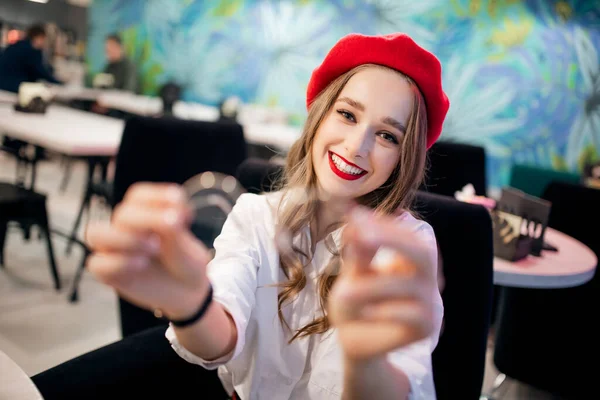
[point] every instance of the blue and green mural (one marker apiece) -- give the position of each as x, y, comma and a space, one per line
523, 76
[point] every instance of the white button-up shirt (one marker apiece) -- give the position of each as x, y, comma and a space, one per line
263, 365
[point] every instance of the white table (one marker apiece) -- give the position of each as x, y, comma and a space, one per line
14, 382
574, 264
67, 93
64, 130
131, 103
62, 92
152, 106
7, 97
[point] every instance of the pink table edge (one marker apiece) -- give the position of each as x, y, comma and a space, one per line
528, 273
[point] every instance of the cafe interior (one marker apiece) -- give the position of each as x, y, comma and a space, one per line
211, 96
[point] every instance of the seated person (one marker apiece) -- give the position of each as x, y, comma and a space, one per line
119, 66
24, 61
122, 69
326, 289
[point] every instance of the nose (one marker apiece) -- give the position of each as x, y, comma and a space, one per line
359, 142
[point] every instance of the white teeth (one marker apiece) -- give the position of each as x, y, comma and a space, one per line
343, 166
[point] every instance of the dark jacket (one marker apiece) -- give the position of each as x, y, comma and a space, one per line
21, 62
125, 74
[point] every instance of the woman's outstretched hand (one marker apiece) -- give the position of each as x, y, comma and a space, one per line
381, 302
148, 253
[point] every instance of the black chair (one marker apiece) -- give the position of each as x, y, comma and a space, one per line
171, 150
143, 364
26, 157
97, 185
464, 235
258, 175
27, 208
547, 337
533, 179
454, 165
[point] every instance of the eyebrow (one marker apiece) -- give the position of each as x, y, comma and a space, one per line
387, 120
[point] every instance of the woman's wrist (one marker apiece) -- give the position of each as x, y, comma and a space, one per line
357, 366
359, 375
374, 377
188, 304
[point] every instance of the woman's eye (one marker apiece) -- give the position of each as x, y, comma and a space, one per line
348, 115
389, 137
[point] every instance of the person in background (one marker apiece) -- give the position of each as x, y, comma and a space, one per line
119, 66
23, 61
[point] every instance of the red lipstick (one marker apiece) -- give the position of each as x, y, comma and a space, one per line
342, 174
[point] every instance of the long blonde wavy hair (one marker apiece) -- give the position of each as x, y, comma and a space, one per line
396, 194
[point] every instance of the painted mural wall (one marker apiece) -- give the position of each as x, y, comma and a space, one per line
523, 76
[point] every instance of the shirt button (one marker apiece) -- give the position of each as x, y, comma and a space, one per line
289, 381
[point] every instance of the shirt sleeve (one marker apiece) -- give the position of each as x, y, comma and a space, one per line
415, 359
233, 275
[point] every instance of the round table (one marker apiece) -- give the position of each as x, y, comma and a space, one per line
14, 382
572, 265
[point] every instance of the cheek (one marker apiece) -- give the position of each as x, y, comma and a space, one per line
320, 142
329, 132
385, 162
317, 147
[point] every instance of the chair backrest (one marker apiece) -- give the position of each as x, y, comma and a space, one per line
258, 175
174, 150
575, 211
171, 150
533, 180
464, 235
454, 165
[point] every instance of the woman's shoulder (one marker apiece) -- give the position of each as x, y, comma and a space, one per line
412, 222
252, 201
256, 207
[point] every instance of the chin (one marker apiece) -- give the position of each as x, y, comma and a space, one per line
337, 190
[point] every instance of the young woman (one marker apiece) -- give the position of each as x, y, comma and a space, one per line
308, 296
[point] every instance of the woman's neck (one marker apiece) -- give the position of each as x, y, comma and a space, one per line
329, 215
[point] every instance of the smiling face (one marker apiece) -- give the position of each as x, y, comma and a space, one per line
358, 144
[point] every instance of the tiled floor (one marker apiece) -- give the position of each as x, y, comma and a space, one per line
39, 328
510, 389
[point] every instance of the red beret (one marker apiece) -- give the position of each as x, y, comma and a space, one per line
397, 51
